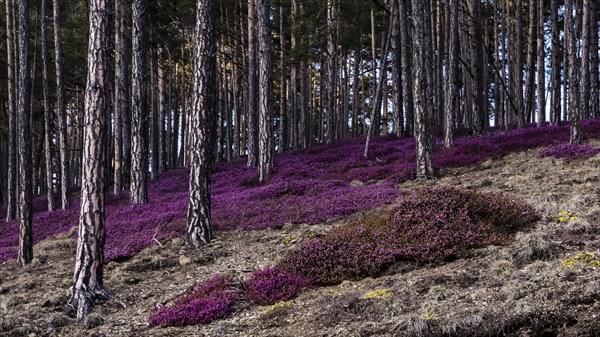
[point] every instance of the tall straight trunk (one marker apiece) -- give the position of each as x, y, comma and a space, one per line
555, 108
397, 105
331, 70
176, 110
283, 109
61, 109
566, 63
531, 59
12, 166
121, 90
541, 66
355, 94
498, 84
199, 227
154, 134
476, 57
595, 61
376, 114
294, 130
47, 112
452, 87
252, 98
24, 122
265, 91
304, 105
420, 15
570, 35
88, 280
139, 190
518, 65
407, 70
585, 71
162, 112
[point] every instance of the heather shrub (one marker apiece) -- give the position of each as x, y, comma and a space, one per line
568, 151
433, 225
214, 299
272, 285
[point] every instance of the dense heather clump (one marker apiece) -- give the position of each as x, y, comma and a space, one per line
569, 152
322, 183
434, 225
272, 285
214, 299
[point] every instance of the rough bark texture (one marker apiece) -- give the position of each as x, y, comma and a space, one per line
139, 189
11, 199
283, 108
331, 69
89, 259
530, 63
518, 74
199, 229
24, 130
541, 66
304, 102
586, 41
452, 88
252, 99
61, 110
121, 90
422, 118
407, 71
476, 57
47, 112
397, 105
265, 91
570, 36
555, 108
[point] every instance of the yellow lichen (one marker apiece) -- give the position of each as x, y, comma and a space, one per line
279, 305
311, 235
566, 216
287, 240
378, 293
428, 315
586, 258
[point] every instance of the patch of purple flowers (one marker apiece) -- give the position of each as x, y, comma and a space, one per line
273, 284
569, 152
214, 299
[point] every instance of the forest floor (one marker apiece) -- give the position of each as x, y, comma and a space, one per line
542, 284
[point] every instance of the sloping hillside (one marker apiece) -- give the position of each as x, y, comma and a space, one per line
543, 283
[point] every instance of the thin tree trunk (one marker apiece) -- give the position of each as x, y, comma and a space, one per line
162, 108
585, 71
252, 98
574, 112
121, 91
199, 228
555, 109
47, 112
88, 281
531, 59
304, 105
397, 93
12, 166
452, 87
407, 70
331, 70
476, 57
541, 66
139, 191
265, 91
25, 146
283, 122
154, 117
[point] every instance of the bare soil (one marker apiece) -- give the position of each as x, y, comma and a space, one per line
516, 290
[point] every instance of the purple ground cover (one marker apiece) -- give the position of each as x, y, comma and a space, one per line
314, 185
569, 152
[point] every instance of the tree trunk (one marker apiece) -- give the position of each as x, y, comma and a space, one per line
139, 191
541, 66
121, 90
283, 122
252, 99
162, 112
570, 36
12, 166
61, 109
452, 87
265, 91
397, 94
595, 61
199, 228
555, 109
47, 112
152, 90
476, 57
407, 70
422, 130
585, 71
88, 282
304, 105
24, 127
531, 59
331, 70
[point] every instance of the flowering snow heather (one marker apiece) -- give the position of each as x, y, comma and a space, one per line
433, 225
314, 185
215, 298
272, 285
569, 152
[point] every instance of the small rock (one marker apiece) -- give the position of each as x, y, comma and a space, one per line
184, 260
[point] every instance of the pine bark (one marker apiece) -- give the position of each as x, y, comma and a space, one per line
331, 70
162, 112
139, 191
541, 66
252, 98
397, 93
304, 105
12, 167
88, 282
585, 71
47, 108
407, 69
476, 57
555, 108
61, 109
573, 108
121, 91
265, 91
531, 61
283, 103
199, 229
422, 130
24, 139
452, 88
